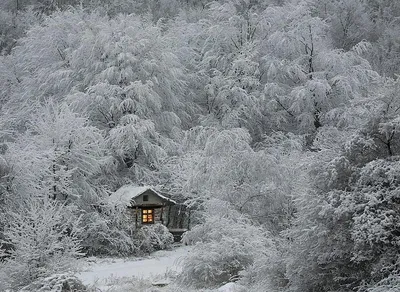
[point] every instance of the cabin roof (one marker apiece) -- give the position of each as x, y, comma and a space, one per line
126, 194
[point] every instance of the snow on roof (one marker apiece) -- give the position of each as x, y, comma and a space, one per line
127, 193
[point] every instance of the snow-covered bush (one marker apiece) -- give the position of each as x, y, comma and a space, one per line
108, 232
345, 235
55, 283
267, 273
153, 237
43, 235
389, 284
225, 245
215, 262
13, 26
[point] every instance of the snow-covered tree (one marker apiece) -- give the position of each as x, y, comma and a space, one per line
344, 234
130, 81
225, 245
43, 238
308, 82
57, 156
349, 21
267, 118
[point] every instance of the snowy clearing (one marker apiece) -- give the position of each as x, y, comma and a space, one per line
153, 273
156, 268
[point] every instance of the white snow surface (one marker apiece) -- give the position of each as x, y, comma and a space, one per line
156, 266
231, 287
124, 195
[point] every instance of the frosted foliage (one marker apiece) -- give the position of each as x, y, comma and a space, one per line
130, 77
50, 68
275, 123
372, 208
352, 226
108, 233
330, 139
378, 121
61, 149
55, 283
136, 137
389, 284
306, 78
44, 239
349, 22
153, 237
376, 217
112, 232
227, 141
13, 26
238, 178
225, 244
258, 183
138, 61
229, 61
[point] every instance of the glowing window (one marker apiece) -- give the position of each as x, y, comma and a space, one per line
147, 216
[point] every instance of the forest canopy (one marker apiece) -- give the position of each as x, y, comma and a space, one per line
276, 122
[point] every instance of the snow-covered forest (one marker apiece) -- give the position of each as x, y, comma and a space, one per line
276, 123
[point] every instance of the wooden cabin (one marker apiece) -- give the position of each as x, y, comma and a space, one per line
146, 205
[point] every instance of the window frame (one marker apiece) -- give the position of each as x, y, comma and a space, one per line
143, 214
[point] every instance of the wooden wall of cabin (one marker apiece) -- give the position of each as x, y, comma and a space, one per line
178, 217
175, 216
136, 215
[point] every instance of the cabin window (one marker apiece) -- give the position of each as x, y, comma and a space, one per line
147, 216
145, 198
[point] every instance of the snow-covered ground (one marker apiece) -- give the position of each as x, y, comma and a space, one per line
152, 273
156, 267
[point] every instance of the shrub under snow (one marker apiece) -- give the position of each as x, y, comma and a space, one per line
389, 284
109, 232
153, 237
55, 283
225, 245
43, 237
